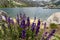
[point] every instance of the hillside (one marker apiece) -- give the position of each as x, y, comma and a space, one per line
11, 3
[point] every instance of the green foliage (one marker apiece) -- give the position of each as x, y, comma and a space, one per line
53, 26
40, 34
56, 37
14, 32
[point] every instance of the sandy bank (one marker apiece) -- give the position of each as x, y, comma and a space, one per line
32, 20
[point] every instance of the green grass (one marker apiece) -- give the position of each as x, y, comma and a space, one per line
53, 26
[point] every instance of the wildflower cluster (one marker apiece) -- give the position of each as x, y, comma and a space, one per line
23, 29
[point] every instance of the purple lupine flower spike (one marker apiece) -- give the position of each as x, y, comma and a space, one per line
51, 34
38, 27
38, 24
44, 35
33, 26
37, 30
24, 16
23, 23
9, 20
12, 21
23, 34
28, 22
45, 25
21, 15
17, 20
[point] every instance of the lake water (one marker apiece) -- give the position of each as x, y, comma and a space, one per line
38, 12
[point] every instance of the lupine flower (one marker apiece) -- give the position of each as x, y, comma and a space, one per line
38, 24
33, 26
20, 15
23, 34
45, 25
44, 35
12, 21
23, 23
51, 34
24, 16
26, 34
38, 27
37, 30
9, 20
28, 22
17, 20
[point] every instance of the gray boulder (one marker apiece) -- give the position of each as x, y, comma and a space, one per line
54, 18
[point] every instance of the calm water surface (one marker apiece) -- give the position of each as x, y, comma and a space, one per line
39, 12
